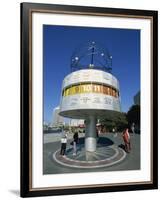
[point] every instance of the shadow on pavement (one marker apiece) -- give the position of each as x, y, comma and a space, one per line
102, 141
122, 146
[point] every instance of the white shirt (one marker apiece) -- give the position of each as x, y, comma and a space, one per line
63, 140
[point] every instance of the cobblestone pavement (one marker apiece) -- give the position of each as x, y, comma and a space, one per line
52, 144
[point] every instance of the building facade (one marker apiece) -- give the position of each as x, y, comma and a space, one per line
57, 119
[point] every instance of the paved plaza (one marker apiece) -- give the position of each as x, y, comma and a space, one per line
109, 156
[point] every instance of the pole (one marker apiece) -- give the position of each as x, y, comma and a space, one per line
90, 136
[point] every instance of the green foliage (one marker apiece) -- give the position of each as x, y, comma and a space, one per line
133, 115
118, 121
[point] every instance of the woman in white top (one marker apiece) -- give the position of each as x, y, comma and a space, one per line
63, 145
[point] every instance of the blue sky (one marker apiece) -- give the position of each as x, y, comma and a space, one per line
59, 43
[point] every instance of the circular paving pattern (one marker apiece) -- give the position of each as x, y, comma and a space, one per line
104, 156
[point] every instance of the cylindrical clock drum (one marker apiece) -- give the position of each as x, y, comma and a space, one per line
90, 91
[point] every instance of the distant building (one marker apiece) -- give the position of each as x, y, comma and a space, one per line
77, 122
45, 126
57, 119
137, 99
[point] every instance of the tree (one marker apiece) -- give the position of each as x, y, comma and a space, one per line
133, 115
117, 120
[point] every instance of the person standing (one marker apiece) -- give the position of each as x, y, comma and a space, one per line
133, 128
114, 132
75, 142
126, 138
63, 145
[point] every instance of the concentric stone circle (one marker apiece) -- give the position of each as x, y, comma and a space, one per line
103, 157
